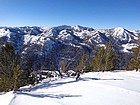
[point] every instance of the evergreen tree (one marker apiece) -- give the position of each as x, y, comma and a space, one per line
104, 59
134, 63
98, 59
9, 68
109, 57
16, 75
27, 75
82, 64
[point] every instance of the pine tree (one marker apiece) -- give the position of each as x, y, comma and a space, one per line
109, 57
16, 75
82, 64
27, 76
98, 59
9, 68
135, 62
104, 59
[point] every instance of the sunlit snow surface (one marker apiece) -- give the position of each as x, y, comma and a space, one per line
75, 36
100, 88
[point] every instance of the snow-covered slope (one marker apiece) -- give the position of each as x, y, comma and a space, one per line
72, 35
100, 88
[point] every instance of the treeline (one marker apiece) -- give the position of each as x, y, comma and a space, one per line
107, 58
104, 59
12, 72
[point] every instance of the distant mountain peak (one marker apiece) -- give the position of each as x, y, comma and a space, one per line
119, 31
73, 35
62, 27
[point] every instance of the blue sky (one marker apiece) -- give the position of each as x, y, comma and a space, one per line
90, 13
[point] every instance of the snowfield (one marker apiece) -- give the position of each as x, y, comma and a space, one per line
98, 88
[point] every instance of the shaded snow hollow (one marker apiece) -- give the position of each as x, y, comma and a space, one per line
100, 88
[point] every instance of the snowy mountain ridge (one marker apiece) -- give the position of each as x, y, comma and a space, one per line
69, 35
63, 45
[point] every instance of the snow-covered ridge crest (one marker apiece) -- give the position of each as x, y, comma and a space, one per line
76, 35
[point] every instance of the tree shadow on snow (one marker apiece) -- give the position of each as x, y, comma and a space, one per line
52, 84
58, 96
87, 79
49, 85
